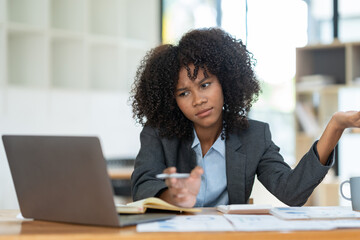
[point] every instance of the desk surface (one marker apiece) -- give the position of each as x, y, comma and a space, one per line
121, 173
13, 228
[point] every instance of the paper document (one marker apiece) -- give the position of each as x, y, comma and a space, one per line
189, 223
250, 223
299, 219
244, 223
20, 217
244, 209
291, 213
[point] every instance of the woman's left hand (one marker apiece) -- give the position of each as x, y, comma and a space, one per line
333, 131
346, 119
182, 192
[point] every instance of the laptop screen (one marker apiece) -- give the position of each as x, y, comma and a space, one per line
61, 178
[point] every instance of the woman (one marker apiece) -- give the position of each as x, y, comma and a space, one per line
193, 99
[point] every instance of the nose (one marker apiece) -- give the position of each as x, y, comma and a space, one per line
198, 99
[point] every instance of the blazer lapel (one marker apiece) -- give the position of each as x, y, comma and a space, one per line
186, 156
235, 169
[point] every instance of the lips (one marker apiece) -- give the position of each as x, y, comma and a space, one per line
204, 113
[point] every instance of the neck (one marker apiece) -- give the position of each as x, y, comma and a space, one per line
207, 137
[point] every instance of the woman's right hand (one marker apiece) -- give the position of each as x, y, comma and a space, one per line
182, 192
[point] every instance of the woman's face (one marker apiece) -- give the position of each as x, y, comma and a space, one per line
201, 100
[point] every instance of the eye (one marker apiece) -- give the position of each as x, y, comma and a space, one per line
205, 85
183, 94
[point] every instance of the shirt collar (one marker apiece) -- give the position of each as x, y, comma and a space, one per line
219, 144
196, 140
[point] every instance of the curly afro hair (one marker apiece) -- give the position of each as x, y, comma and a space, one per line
211, 49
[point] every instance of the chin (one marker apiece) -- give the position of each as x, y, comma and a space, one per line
208, 125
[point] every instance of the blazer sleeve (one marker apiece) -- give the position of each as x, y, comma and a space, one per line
291, 186
149, 162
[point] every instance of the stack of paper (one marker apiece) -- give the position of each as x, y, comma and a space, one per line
310, 82
291, 213
244, 209
282, 219
196, 223
244, 223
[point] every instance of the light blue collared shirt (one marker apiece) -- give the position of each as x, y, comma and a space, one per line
213, 191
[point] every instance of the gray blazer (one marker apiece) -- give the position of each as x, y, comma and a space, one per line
249, 152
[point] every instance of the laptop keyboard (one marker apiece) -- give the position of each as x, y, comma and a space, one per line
133, 219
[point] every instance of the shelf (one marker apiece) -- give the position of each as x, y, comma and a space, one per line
316, 109
2, 11
317, 46
27, 60
105, 67
24, 28
355, 62
136, 44
108, 17
71, 35
32, 12
145, 11
328, 105
68, 64
2, 59
2, 102
328, 61
80, 45
327, 89
104, 40
133, 56
68, 15
63, 68
303, 143
321, 63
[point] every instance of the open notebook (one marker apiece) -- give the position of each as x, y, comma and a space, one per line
153, 203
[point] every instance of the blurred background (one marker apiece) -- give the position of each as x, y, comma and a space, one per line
66, 68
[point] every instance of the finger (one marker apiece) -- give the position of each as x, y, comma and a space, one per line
197, 172
182, 191
170, 170
178, 193
185, 201
179, 197
171, 182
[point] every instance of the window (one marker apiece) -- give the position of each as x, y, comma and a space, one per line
349, 19
322, 21
320, 26
179, 16
270, 33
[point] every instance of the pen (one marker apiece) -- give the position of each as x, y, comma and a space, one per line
173, 175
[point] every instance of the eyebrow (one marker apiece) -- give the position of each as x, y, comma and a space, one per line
185, 88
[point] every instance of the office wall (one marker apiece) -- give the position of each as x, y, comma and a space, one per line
80, 85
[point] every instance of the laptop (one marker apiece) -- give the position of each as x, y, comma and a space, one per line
65, 179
